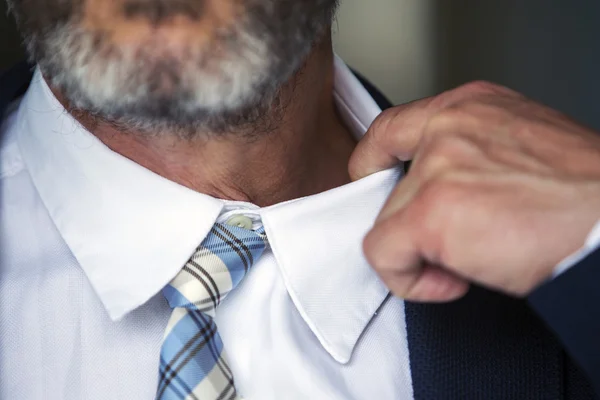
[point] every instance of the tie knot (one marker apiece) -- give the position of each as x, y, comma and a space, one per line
215, 268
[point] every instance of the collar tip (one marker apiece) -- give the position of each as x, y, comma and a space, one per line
116, 315
341, 355
343, 360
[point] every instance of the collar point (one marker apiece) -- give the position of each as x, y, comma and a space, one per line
342, 348
342, 357
116, 313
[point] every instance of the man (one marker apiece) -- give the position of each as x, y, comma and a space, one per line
167, 154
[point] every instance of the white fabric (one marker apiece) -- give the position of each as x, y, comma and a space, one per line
592, 242
88, 238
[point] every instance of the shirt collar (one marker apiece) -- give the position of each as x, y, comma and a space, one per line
317, 240
132, 230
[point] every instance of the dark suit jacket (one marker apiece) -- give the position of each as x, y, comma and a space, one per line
487, 346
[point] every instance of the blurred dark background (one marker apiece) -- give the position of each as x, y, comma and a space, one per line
547, 49
10, 41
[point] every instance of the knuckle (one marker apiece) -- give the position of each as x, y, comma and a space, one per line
434, 163
447, 120
481, 87
461, 121
439, 156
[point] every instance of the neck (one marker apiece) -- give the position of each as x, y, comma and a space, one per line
305, 150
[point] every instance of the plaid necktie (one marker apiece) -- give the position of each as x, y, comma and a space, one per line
192, 361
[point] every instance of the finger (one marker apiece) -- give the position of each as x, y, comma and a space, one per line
404, 192
393, 136
396, 251
432, 285
392, 248
395, 133
410, 278
400, 249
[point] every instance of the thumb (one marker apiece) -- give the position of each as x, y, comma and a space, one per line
393, 137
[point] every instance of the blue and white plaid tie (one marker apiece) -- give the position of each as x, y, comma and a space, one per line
192, 361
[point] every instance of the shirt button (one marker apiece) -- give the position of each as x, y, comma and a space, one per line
241, 221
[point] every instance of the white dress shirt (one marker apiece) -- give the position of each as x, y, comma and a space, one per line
89, 239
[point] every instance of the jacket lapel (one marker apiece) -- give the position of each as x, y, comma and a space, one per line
13, 83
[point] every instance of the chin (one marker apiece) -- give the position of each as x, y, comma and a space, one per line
158, 63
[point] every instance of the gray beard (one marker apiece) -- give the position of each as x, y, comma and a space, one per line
231, 85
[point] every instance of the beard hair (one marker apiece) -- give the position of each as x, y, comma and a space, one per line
230, 85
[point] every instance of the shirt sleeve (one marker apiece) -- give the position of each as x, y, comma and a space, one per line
591, 244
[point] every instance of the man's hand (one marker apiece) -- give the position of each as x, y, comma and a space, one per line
500, 190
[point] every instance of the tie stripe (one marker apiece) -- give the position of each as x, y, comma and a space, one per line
206, 280
193, 364
237, 249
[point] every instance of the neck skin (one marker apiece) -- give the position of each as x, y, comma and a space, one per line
307, 151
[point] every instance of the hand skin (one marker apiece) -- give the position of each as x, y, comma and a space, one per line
501, 189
